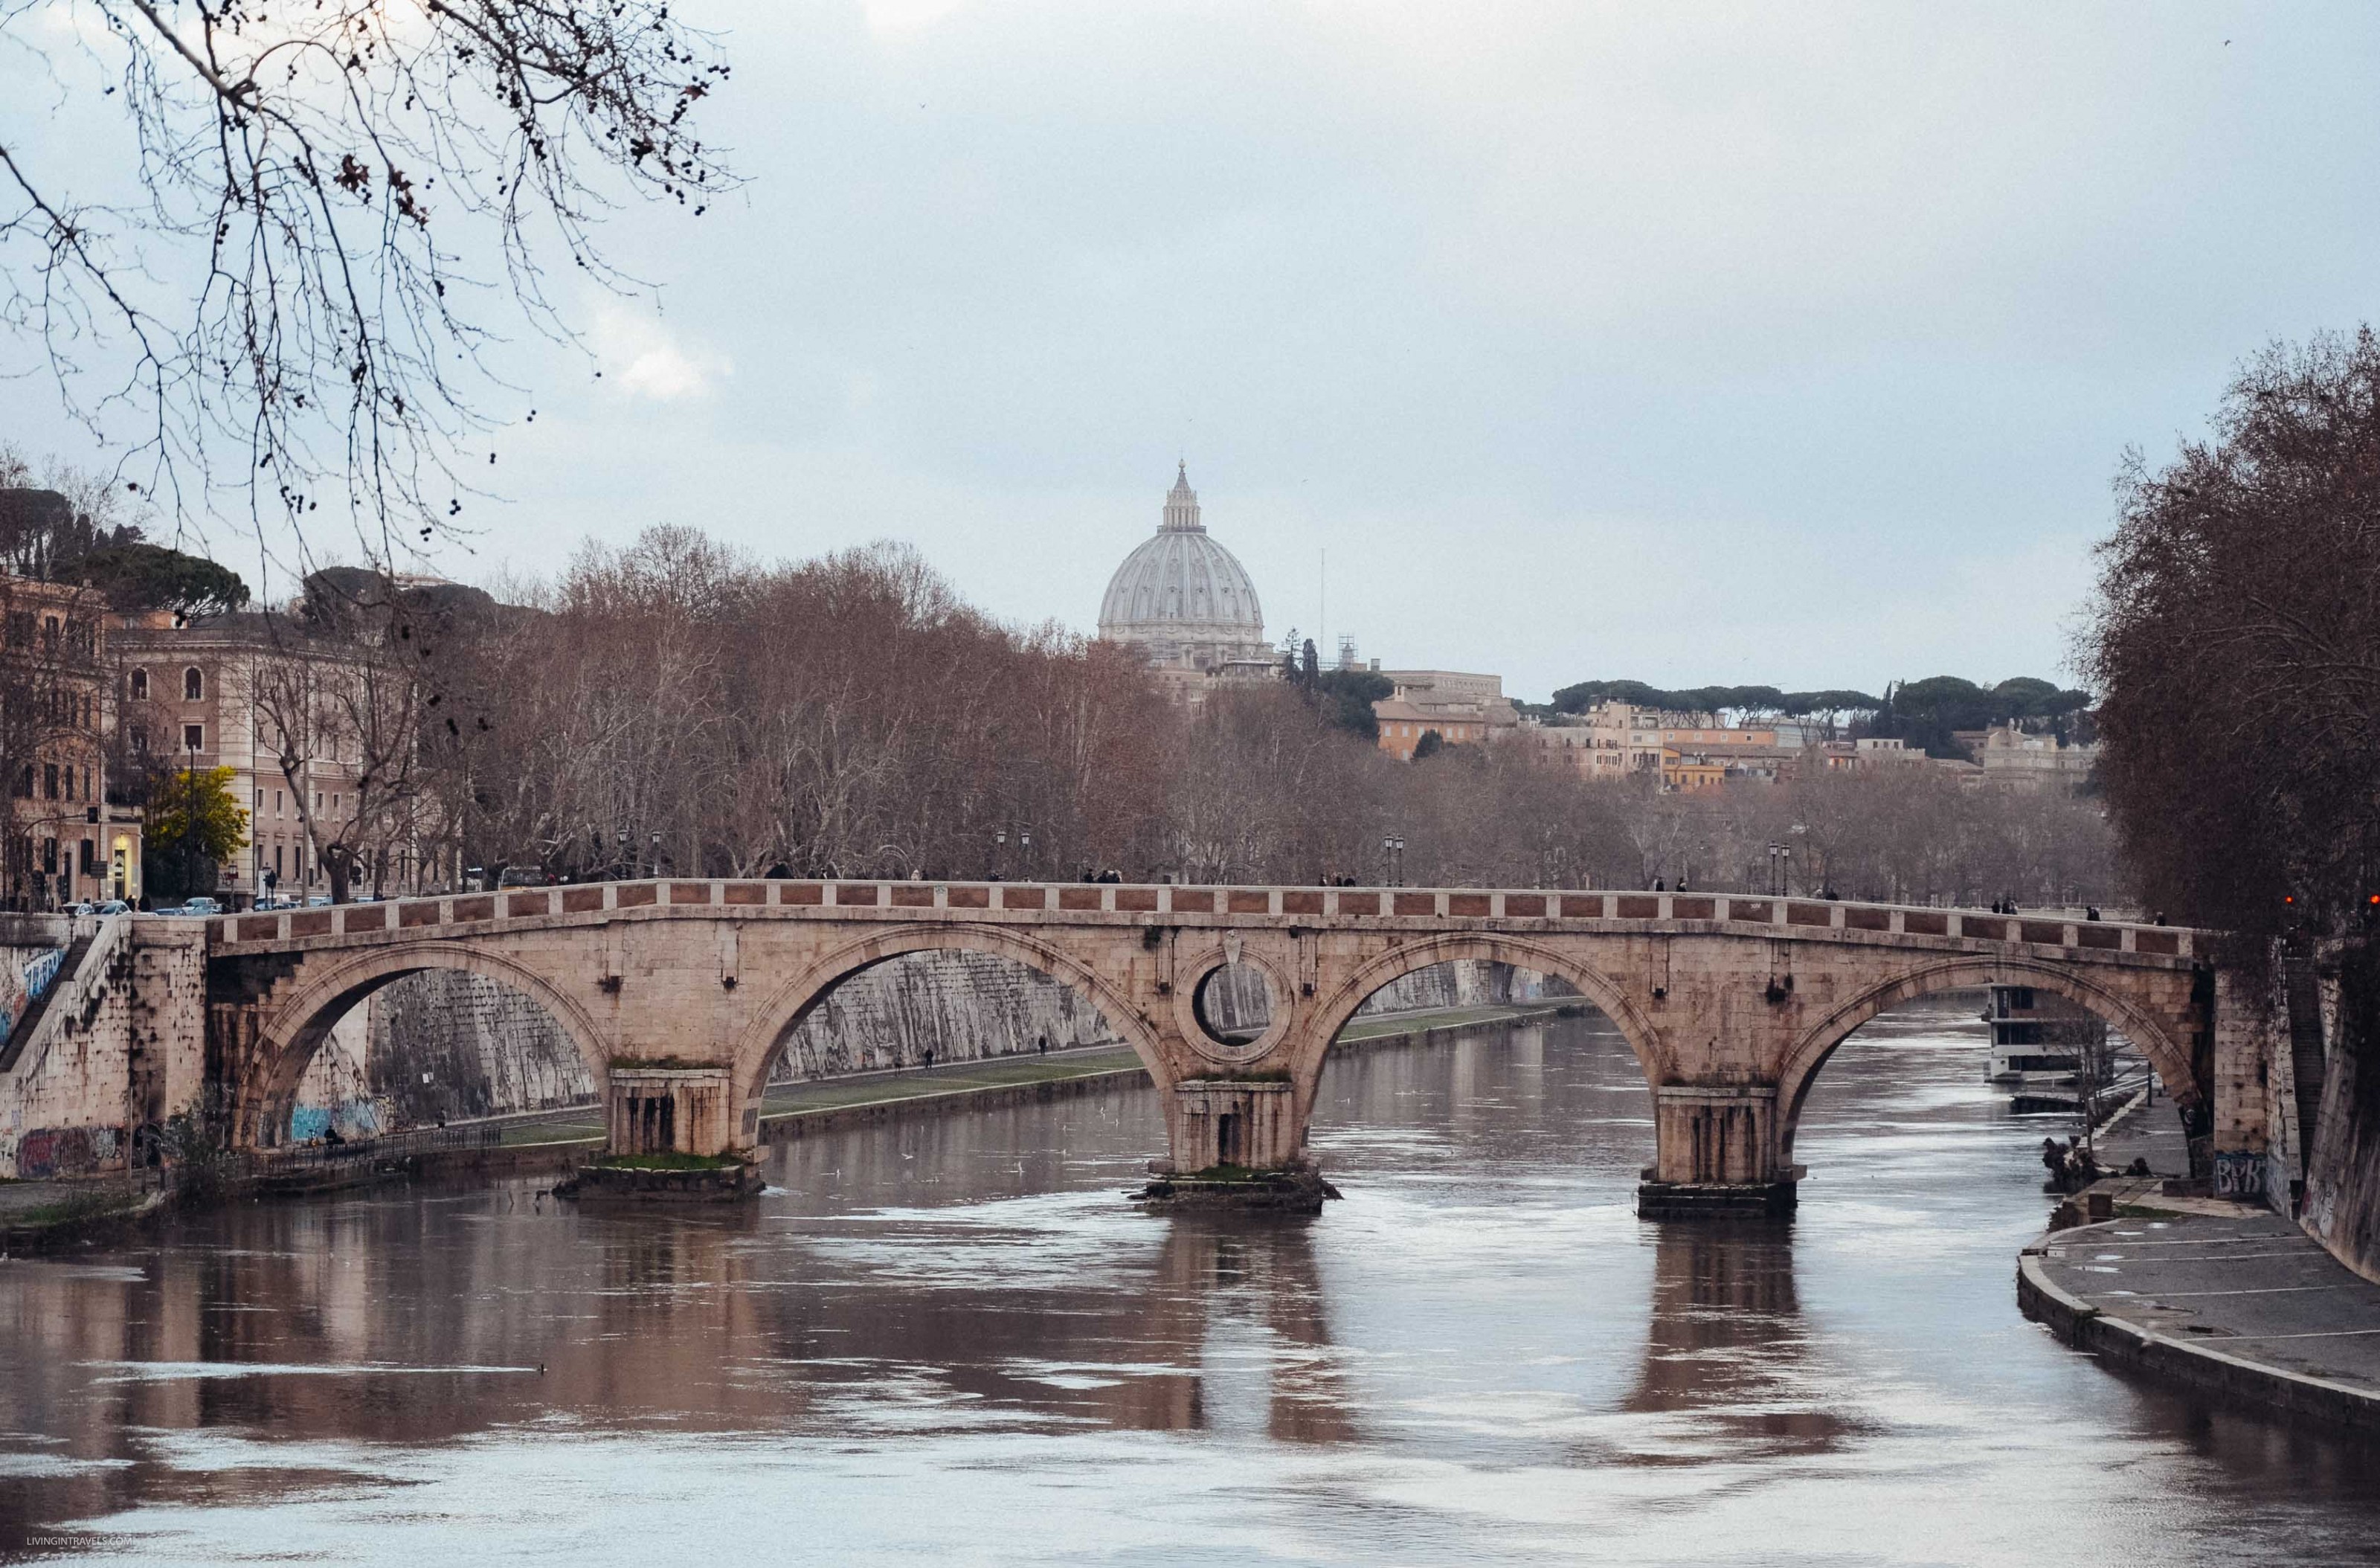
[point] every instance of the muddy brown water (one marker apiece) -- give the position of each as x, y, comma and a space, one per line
952, 1340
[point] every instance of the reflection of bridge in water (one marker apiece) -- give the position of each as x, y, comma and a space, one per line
681, 994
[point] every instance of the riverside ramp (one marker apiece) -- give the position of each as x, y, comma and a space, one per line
2247, 1305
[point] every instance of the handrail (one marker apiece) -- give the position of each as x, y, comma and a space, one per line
68, 994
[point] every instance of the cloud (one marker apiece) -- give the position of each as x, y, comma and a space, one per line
898, 17
641, 357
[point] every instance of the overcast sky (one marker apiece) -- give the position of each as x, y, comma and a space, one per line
1790, 343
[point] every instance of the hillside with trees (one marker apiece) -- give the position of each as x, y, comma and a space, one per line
1926, 714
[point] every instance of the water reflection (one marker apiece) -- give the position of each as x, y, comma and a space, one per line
1480, 1355
1727, 1351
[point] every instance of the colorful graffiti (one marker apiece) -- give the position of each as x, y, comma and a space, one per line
67, 1151
354, 1118
29, 985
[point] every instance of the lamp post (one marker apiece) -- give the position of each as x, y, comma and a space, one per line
655, 865
1000, 862
1394, 847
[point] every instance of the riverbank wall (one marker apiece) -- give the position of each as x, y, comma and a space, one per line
105, 1036
450, 1046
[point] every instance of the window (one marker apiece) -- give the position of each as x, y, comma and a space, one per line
194, 737
276, 803
49, 781
260, 803
50, 632
140, 686
278, 870
194, 685
140, 738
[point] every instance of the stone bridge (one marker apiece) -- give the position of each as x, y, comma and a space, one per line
681, 994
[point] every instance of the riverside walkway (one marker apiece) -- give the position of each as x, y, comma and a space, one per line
2222, 1295
2246, 1303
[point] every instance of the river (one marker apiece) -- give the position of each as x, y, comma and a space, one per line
952, 1340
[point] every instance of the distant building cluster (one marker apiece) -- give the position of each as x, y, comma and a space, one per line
98, 705
1191, 608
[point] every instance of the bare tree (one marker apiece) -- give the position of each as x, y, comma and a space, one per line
292, 299
347, 714
2237, 635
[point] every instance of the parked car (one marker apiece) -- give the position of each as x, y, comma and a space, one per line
200, 906
112, 907
319, 901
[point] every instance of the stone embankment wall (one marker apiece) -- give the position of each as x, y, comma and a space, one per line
453, 1045
2342, 1180
120, 1046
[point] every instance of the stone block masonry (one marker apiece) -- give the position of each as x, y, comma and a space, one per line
117, 1049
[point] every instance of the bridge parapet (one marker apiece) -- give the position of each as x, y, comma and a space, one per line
1069, 903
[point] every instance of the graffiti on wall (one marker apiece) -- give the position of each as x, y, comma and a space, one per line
28, 985
2240, 1175
67, 1151
355, 1118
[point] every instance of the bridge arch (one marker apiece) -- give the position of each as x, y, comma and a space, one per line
1334, 1011
1809, 1053
774, 1021
299, 1024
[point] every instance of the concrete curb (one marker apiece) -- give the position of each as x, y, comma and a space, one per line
2086, 1328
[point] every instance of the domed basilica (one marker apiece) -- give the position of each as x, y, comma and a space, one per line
1187, 601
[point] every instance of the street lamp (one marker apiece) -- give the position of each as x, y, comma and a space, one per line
1000, 850
1394, 846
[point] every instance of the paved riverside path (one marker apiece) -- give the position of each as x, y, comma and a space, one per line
2245, 1302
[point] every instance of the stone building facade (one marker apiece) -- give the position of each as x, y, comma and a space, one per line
232, 691
62, 843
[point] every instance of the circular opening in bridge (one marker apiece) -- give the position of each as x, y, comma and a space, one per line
1233, 1004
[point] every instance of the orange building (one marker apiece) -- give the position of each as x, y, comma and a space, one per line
1459, 707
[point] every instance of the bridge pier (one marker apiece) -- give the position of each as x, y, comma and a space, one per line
1253, 1125
671, 1111
1715, 1152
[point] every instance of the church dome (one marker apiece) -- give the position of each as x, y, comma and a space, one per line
1183, 596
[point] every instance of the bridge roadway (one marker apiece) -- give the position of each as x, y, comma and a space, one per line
680, 993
